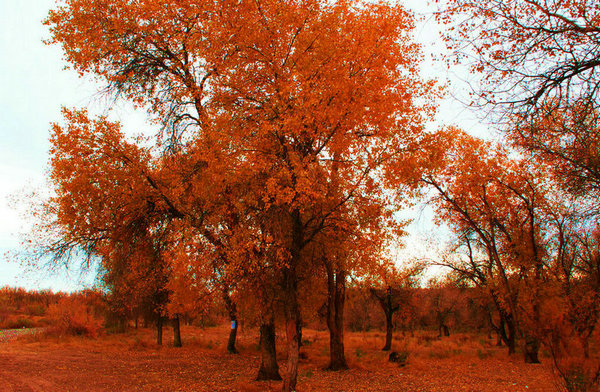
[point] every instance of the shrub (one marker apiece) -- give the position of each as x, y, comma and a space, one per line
71, 316
359, 353
20, 322
400, 357
36, 310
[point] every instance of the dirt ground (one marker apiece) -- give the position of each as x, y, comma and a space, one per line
132, 362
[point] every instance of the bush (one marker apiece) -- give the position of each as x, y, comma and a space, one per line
71, 316
400, 357
36, 310
20, 322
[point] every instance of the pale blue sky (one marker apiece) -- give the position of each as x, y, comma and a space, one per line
34, 86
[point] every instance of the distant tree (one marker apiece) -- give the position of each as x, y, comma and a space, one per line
393, 292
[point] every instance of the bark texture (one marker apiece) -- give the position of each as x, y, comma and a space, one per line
269, 369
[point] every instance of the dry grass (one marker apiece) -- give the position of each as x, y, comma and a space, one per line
133, 362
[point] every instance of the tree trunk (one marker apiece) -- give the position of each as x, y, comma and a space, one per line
511, 336
389, 330
292, 319
532, 343
585, 344
299, 330
232, 310
531, 349
176, 332
389, 306
292, 307
269, 369
506, 329
444, 330
159, 330
336, 288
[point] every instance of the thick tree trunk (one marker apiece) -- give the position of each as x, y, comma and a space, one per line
176, 332
232, 310
269, 369
292, 319
159, 330
336, 287
232, 337
292, 307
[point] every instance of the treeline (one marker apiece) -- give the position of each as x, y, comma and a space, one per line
439, 309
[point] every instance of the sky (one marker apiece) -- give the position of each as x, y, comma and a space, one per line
34, 85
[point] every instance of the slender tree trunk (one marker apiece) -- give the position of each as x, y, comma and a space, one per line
269, 369
336, 290
501, 333
389, 330
511, 336
232, 310
389, 307
507, 330
299, 330
532, 342
159, 330
176, 332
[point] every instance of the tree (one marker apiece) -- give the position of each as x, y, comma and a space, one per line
567, 139
496, 205
392, 290
295, 95
539, 62
573, 306
530, 52
444, 302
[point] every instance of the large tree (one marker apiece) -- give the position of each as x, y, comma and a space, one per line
299, 109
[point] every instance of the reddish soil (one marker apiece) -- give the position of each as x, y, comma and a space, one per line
131, 362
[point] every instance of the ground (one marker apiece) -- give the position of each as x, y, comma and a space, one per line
132, 362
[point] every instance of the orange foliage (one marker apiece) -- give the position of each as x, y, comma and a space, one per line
287, 125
